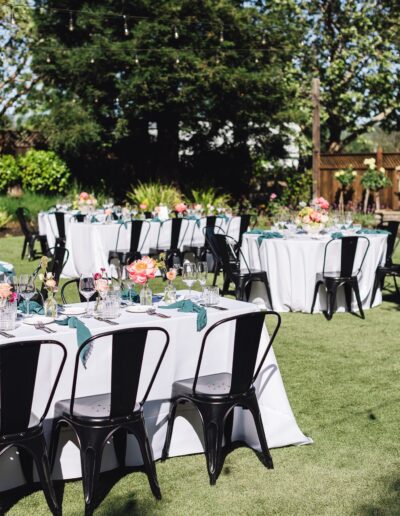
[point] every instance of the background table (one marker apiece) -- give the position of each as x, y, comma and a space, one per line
179, 363
292, 265
89, 244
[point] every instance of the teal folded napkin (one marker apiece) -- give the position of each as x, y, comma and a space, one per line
6, 270
367, 231
223, 216
193, 217
337, 235
268, 235
254, 232
94, 219
34, 307
134, 296
155, 219
82, 334
187, 306
122, 221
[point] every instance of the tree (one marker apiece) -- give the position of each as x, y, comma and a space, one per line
209, 69
350, 46
16, 80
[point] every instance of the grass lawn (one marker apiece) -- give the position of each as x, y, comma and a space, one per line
343, 381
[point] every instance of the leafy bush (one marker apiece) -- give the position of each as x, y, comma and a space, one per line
209, 199
44, 171
34, 202
153, 194
9, 172
4, 219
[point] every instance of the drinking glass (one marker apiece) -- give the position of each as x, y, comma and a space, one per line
189, 273
26, 289
202, 271
87, 288
211, 296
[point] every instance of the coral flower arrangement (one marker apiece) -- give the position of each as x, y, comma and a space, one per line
314, 217
140, 272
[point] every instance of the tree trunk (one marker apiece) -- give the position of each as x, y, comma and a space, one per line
366, 200
168, 147
341, 200
335, 134
377, 201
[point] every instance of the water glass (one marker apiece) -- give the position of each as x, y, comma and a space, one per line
211, 296
111, 305
8, 316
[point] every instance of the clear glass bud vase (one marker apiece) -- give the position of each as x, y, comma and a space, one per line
169, 294
146, 295
50, 306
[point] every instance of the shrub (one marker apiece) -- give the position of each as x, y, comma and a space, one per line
44, 171
4, 219
153, 194
209, 199
9, 172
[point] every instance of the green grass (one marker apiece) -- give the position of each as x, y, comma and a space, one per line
35, 202
343, 381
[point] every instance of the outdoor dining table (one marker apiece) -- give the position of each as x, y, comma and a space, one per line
179, 363
89, 244
293, 263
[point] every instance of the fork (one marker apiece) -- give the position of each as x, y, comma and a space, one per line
44, 328
113, 323
7, 335
152, 311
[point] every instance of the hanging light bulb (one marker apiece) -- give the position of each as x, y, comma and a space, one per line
48, 60
221, 36
12, 17
71, 22
92, 61
256, 60
176, 33
136, 59
126, 30
264, 39
177, 61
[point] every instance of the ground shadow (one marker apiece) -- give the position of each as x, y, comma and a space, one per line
388, 504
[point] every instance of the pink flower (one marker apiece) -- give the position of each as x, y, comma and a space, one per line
180, 207
83, 196
142, 270
96, 276
322, 203
5, 290
13, 297
101, 285
108, 211
272, 196
171, 275
143, 206
51, 283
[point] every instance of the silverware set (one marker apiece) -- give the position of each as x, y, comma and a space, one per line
7, 335
46, 329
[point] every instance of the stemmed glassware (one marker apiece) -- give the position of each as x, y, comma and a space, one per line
26, 289
87, 288
127, 282
189, 275
202, 271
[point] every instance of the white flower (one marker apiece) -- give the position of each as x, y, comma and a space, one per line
302, 204
41, 276
371, 162
354, 173
382, 170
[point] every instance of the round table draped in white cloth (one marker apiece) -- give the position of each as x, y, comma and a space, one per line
179, 363
293, 263
89, 244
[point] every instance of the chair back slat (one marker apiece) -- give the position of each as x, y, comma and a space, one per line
348, 254
247, 342
219, 245
22, 214
58, 259
127, 358
60, 221
176, 225
393, 227
136, 230
244, 225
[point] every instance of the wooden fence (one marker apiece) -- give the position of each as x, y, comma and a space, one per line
331, 163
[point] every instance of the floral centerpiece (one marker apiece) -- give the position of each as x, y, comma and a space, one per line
314, 217
140, 272
170, 290
180, 208
85, 202
50, 285
6, 294
374, 180
345, 177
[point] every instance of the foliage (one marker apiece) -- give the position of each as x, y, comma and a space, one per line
367, 220
346, 176
35, 202
4, 219
9, 172
44, 171
374, 179
209, 199
154, 194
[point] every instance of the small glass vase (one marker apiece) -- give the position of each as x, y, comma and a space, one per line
169, 294
146, 295
50, 306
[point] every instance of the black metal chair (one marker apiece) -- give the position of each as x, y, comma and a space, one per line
390, 268
134, 252
80, 217
345, 276
19, 426
31, 237
60, 222
66, 286
224, 250
58, 258
215, 396
199, 251
173, 254
94, 419
244, 225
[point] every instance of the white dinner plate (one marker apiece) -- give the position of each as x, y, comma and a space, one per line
39, 319
139, 309
73, 310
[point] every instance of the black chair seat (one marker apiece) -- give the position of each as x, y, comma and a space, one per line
334, 276
390, 269
88, 408
210, 385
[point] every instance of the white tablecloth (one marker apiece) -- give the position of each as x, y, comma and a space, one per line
292, 265
179, 363
89, 244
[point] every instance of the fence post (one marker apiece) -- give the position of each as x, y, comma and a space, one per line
316, 137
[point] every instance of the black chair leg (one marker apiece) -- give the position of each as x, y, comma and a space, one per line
357, 294
255, 410
55, 436
37, 447
347, 293
377, 281
26, 460
396, 287
120, 438
31, 249
315, 295
228, 428
331, 300
24, 248
147, 455
171, 419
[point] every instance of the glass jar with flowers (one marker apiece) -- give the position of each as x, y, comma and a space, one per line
8, 307
170, 290
49, 284
102, 287
140, 272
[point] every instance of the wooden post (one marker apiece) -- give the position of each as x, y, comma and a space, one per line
316, 137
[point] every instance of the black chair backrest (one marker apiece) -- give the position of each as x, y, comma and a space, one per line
137, 226
73, 281
58, 258
128, 347
148, 215
245, 349
347, 256
176, 225
22, 216
244, 226
60, 220
80, 217
18, 368
223, 251
393, 227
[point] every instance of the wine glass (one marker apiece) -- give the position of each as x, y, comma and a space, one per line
202, 271
87, 288
26, 289
128, 283
189, 273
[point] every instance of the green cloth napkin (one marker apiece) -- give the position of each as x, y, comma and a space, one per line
223, 216
268, 235
6, 270
372, 232
187, 306
254, 232
122, 221
82, 334
34, 307
134, 295
155, 219
93, 219
337, 235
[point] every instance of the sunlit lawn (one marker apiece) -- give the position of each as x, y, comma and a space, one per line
343, 380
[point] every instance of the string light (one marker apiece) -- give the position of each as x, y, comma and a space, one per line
136, 59
12, 17
221, 36
126, 30
176, 33
177, 61
92, 61
71, 22
264, 39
